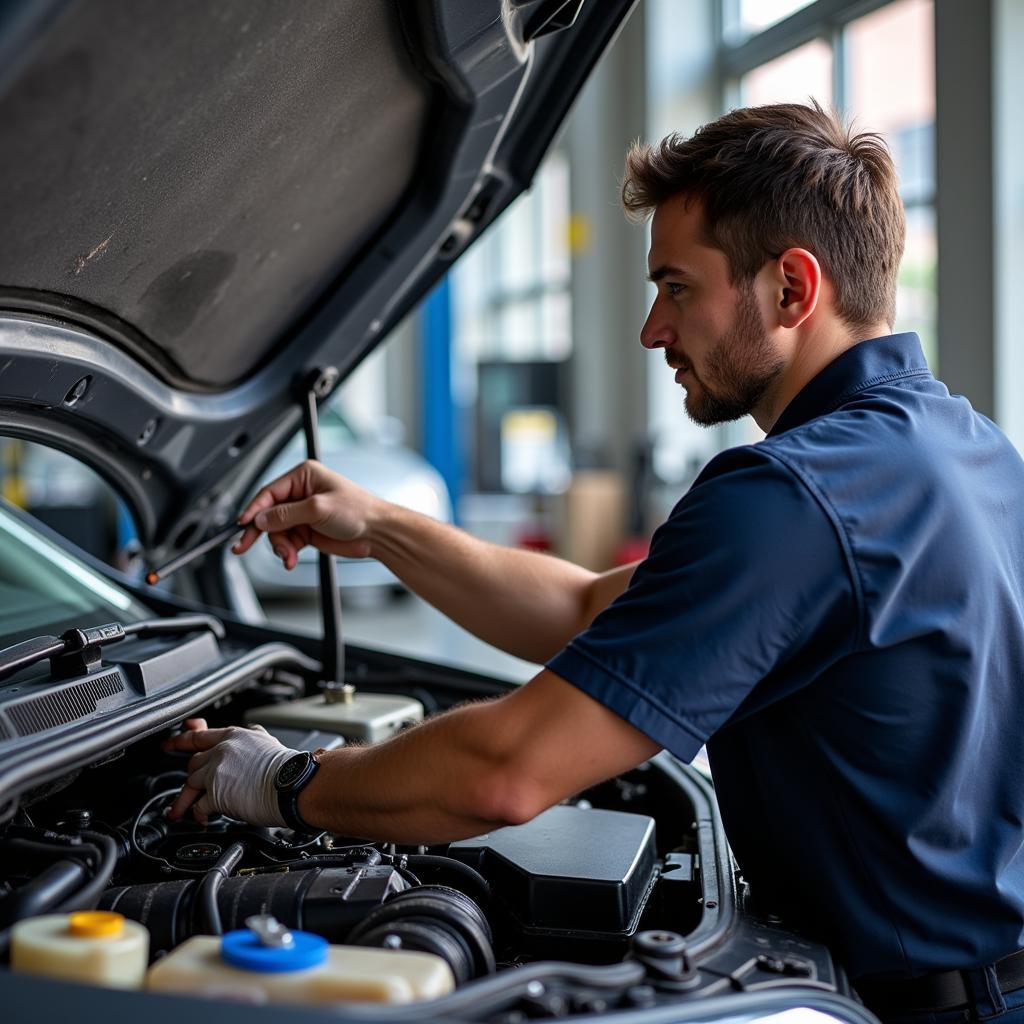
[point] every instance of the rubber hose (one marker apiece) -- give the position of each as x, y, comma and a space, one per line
426, 935
486, 998
209, 887
100, 847
466, 903
53, 884
467, 875
34, 848
87, 897
439, 903
405, 873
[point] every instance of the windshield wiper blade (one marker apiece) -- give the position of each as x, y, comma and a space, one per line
77, 652
28, 652
176, 625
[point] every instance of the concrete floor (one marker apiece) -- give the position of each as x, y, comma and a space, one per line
405, 625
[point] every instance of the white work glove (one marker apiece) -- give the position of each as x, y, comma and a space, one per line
231, 772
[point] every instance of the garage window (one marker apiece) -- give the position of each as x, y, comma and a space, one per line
878, 68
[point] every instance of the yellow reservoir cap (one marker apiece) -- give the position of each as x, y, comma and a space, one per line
96, 924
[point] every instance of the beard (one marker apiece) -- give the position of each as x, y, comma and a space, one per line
738, 371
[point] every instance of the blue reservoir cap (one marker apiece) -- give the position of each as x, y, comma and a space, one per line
244, 949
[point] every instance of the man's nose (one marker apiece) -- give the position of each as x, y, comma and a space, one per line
656, 333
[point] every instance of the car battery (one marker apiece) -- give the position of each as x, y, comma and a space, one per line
363, 717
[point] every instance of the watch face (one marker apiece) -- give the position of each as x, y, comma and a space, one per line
291, 771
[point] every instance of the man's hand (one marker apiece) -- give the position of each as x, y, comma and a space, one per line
232, 771
311, 505
523, 602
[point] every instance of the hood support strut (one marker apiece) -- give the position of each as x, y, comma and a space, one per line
313, 388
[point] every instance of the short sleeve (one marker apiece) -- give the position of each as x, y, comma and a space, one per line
745, 597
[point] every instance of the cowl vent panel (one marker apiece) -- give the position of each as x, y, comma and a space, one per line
68, 703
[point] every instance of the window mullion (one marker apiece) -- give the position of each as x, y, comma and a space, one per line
840, 78
728, 20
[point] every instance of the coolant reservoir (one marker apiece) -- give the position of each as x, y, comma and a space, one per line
95, 946
265, 963
363, 717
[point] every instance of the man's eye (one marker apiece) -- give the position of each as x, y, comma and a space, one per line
673, 288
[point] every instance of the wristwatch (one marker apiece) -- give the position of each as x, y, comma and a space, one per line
291, 779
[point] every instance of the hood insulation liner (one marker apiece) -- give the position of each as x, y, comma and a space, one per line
203, 171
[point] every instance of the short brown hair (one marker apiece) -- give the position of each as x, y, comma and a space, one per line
784, 175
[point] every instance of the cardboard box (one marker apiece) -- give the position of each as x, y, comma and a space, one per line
592, 520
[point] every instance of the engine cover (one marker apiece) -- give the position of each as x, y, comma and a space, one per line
570, 868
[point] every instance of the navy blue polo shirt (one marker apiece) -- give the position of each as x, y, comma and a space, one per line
838, 612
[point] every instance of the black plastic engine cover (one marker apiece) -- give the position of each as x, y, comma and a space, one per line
570, 868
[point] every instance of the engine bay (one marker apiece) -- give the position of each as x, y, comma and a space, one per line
624, 897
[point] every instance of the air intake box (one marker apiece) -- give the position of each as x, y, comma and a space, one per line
569, 869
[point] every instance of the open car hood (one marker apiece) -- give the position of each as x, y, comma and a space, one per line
207, 207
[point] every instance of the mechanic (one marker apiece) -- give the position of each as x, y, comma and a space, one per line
837, 611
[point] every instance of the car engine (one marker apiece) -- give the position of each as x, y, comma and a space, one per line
602, 902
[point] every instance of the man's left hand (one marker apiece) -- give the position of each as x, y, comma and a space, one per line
231, 771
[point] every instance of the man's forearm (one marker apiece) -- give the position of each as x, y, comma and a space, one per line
434, 783
459, 774
474, 769
523, 602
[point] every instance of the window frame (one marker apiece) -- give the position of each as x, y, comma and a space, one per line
825, 20
497, 294
737, 55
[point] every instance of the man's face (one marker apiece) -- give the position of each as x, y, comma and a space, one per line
712, 331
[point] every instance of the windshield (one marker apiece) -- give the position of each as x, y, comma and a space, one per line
45, 590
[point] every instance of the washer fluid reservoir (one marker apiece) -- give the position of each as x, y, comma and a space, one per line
267, 963
95, 946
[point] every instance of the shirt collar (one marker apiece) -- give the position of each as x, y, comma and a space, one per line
868, 362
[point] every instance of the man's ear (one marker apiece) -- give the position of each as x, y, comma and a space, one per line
797, 286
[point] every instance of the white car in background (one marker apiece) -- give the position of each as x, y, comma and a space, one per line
379, 463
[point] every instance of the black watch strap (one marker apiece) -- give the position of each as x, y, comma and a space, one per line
292, 778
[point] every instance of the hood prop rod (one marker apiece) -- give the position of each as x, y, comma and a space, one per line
314, 388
